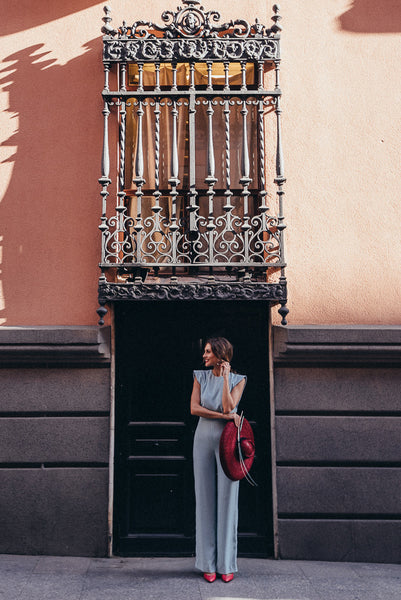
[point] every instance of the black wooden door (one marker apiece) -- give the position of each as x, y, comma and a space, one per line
158, 344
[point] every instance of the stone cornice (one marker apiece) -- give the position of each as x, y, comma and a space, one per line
54, 345
337, 344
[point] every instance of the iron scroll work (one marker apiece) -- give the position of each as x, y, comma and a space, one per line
204, 231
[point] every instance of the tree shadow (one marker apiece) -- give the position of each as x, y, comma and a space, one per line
371, 16
50, 210
39, 12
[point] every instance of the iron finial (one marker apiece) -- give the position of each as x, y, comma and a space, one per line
276, 28
107, 28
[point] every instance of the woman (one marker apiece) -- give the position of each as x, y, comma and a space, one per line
215, 396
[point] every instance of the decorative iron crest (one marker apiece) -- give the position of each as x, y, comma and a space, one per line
197, 50
191, 33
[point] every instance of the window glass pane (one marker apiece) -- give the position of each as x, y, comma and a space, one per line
183, 75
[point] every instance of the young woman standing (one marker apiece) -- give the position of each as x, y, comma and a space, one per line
215, 397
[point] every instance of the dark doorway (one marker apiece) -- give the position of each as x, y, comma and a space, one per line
158, 344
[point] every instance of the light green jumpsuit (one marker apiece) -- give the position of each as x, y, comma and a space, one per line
216, 495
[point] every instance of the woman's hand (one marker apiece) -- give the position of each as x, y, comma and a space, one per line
225, 369
233, 417
237, 419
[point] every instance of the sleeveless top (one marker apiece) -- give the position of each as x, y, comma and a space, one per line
212, 388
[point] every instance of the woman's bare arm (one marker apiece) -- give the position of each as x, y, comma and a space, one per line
200, 411
231, 398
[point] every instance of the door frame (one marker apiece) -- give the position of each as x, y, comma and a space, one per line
112, 437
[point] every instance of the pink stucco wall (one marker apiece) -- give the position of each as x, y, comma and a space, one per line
341, 129
342, 112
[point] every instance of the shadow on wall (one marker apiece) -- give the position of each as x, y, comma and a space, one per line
25, 14
50, 210
372, 16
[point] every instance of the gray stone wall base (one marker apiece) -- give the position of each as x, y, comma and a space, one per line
356, 491
337, 417
338, 453
373, 541
338, 439
54, 511
54, 440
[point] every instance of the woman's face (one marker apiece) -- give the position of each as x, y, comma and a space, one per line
209, 358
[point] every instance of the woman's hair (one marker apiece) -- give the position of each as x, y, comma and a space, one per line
221, 348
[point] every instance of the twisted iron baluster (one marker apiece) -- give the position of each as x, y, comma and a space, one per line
120, 208
156, 208
262, 177
228, 207
157, 193
262, 235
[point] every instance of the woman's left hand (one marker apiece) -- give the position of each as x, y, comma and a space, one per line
237, 419
232, 416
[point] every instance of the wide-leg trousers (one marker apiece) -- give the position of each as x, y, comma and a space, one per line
216, 503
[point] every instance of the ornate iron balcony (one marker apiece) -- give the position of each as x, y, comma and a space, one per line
191, 217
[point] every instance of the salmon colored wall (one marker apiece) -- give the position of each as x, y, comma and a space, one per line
50, 161
341, 124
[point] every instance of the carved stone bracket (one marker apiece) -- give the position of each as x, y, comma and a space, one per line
272, 292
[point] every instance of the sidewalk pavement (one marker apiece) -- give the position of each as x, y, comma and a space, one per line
72, 578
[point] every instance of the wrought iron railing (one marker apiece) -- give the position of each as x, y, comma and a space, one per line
191, 217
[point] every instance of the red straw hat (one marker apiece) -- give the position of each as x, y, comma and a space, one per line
237, 461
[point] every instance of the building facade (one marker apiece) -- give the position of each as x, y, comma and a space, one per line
187, 119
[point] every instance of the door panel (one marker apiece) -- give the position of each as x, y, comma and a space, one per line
158, 344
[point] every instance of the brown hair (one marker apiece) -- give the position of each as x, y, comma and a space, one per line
221, 348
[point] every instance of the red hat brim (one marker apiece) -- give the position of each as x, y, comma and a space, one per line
229, 452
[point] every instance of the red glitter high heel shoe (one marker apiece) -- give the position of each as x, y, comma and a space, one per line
210, 577
227, 577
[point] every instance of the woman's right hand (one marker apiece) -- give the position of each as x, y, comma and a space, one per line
225, 369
